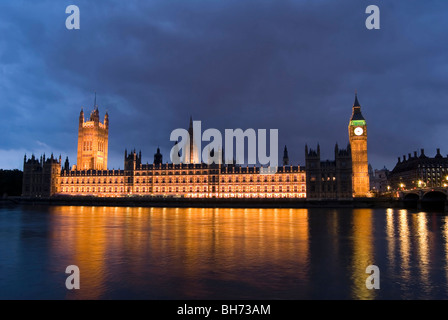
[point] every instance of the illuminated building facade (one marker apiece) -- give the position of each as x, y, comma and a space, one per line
93, 139
357, 131
190, 179
184, 180
419, 171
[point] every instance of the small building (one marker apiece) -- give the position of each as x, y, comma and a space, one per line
379, 181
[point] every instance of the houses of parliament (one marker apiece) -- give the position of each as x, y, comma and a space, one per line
343, 178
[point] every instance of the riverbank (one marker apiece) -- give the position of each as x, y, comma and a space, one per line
208, 202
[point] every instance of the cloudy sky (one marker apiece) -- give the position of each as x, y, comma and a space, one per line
291, 65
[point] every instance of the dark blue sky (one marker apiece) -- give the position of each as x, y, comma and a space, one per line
291, 65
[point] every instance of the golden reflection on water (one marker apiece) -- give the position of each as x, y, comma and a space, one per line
233, 245
362, 253
405, 244
390, 233
186, 242
414, 256
445, 238
83, 245
420, 223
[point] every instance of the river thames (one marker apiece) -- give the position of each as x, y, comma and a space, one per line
191, 253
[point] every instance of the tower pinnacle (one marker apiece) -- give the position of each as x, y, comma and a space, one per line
356, 103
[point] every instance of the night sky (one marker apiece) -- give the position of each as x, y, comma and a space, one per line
287, 65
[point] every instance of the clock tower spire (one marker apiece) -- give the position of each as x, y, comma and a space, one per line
357, 131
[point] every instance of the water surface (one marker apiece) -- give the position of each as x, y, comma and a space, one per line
190, 253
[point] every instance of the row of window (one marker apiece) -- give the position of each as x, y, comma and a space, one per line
186, 180
432, 166
105, 180
205, 172
185, 189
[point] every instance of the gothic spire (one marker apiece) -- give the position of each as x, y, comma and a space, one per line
285, 157
356, 112
356, 103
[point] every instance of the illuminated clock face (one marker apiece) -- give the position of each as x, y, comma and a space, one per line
358, 131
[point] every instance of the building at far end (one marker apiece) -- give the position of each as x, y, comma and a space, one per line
419, 171
379, 180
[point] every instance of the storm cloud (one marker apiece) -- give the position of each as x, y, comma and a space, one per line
287, 65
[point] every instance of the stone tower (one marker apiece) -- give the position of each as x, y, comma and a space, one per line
93, 138
357, 131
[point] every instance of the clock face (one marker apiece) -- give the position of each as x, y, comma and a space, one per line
358, 131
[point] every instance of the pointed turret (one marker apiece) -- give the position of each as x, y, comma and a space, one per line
158, 158
356, 103
81, 117
285, 157
356, 112
106, 119
95, 106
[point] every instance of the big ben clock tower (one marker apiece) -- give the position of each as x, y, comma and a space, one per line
357, 131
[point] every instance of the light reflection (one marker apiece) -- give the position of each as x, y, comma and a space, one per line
405, 245
390, 232
445, 237
182, 243
422, 248
81, 241
232, 244
362, 253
